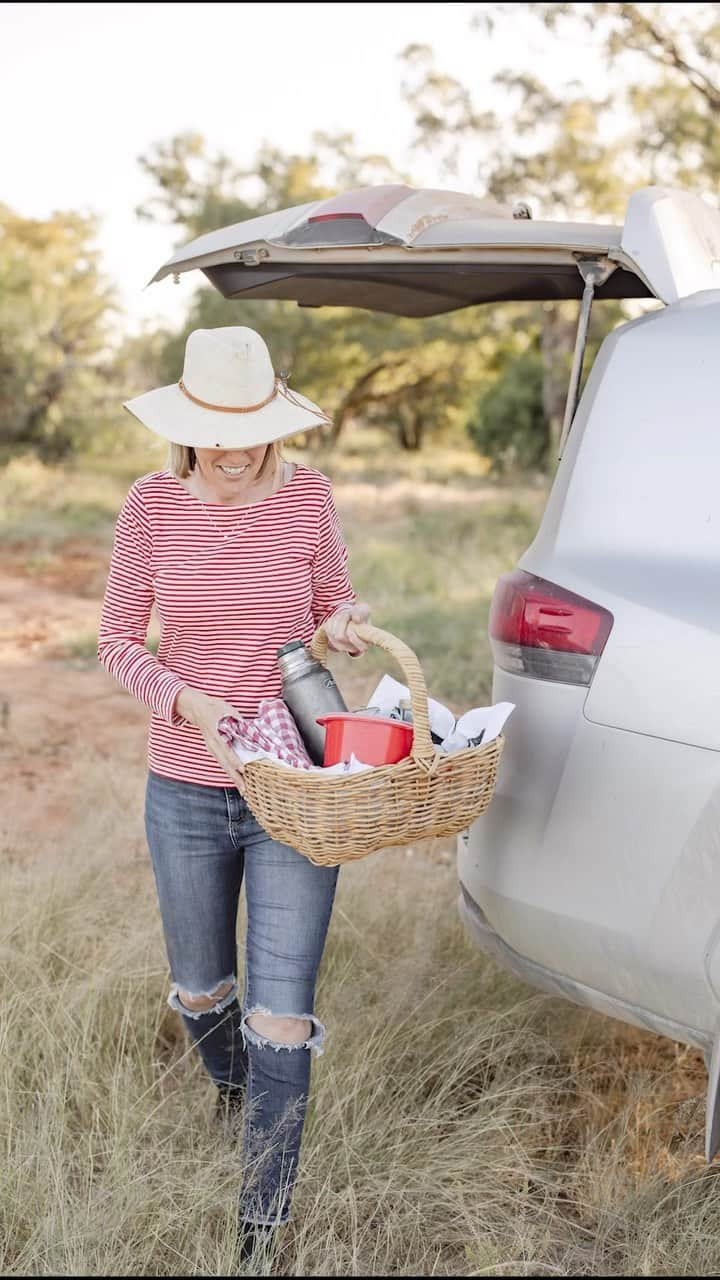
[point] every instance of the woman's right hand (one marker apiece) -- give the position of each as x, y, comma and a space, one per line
204, 712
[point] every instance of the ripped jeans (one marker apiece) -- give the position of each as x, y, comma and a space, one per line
202, 841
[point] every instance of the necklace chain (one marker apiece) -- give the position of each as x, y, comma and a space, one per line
227, 533
246, 508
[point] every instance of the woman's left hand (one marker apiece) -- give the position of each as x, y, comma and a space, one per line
341, 633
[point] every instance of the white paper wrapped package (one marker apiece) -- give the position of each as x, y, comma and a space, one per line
454, 734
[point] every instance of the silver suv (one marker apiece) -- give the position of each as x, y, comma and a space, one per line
596, 871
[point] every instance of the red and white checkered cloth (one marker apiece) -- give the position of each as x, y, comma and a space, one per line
273, 730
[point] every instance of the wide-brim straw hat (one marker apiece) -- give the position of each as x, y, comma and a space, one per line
229, 396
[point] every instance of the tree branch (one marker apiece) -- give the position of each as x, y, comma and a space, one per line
355, 396
669, 53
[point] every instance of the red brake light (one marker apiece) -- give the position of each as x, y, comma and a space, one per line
350, 218
330, 217
538, 628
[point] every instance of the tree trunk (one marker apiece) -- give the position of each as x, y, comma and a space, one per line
31, 429
410, 430
354, 399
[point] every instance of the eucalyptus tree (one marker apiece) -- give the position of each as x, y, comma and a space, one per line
572, 152
57, 317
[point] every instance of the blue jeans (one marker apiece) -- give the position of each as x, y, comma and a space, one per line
202, 841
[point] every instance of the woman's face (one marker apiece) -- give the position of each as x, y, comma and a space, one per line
230, 472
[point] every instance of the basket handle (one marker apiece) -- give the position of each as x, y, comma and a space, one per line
423, 750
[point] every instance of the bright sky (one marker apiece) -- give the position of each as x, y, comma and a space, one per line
87, 88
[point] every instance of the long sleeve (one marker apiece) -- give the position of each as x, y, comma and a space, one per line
125, 617
230, 586
331, 584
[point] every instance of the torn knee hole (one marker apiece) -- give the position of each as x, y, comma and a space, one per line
207, 1000
289, 1032
204, 1002
281, 1030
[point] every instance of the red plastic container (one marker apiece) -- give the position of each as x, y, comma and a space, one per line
372, 739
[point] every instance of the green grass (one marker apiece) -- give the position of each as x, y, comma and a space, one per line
365, 456
429, 572
46, 507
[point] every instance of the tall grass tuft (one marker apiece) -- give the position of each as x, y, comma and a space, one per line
460, 1123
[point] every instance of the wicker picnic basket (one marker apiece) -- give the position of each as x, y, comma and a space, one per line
340, 818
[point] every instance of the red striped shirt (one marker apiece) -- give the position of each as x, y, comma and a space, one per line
230, 585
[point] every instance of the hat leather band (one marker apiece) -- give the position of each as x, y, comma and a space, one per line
225, 408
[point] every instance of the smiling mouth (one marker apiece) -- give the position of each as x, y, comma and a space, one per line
233, 471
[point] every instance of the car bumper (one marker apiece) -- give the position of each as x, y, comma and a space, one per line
559, 984
599, 857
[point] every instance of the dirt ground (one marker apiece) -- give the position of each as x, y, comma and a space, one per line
54, 709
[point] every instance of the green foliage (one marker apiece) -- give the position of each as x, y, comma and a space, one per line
509, 425
575, 156
56, 387
674, 103
572, 154
198, 191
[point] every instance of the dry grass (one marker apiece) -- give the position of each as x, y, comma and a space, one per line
460, 1123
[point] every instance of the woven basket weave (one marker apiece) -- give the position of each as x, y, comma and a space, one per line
340, 818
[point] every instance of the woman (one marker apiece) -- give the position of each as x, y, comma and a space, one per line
239, 552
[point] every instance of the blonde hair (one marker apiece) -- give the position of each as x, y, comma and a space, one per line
181, 459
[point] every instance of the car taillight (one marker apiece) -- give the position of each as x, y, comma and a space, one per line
539, 629
333, 217
350, 218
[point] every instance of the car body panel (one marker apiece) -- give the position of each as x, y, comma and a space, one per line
498, 256
559, 984
673, 238
599, 857
633, 521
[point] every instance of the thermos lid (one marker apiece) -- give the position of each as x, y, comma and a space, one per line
290, 647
